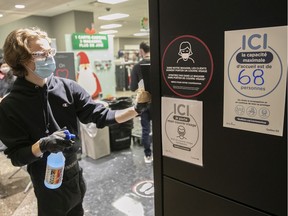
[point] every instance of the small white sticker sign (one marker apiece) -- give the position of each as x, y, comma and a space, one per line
182, 129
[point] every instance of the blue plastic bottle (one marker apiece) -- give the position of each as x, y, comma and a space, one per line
55, 165
54, 170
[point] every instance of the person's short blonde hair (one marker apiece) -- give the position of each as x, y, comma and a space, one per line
17, 48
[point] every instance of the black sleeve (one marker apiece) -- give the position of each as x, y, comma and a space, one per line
89, 110
135, 77
17, 140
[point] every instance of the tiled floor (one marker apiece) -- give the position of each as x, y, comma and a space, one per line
119, 184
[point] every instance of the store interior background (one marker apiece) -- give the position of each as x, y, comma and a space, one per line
64, 17
60, 17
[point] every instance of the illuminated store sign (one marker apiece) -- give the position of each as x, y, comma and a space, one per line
89, 42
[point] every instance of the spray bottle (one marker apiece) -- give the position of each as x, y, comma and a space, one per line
55, 165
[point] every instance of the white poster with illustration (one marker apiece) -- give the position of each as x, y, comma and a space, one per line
182, 129
95, 69
255, 79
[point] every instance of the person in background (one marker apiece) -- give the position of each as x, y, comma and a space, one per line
6, 82
36, 109
136, 77
6, 79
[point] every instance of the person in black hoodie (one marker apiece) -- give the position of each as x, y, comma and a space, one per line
136, 77
39, 105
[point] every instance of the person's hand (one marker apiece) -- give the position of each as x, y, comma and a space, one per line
143, 99
55, 142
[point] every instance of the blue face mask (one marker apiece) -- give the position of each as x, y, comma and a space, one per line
44, 68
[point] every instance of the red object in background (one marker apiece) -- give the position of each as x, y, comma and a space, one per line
90, 31
62, 72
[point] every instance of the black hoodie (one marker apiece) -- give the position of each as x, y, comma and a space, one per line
31, 112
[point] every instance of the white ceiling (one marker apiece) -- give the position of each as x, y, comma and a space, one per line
137, 9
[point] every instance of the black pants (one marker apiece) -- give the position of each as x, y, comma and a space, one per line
146, 129
65, 200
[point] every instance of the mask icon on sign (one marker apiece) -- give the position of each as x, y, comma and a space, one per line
185, 51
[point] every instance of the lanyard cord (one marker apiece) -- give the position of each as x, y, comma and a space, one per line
46, 112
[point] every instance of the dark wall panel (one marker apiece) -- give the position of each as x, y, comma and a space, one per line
247, 167
195, 202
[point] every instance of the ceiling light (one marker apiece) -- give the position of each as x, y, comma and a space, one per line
108, 32
112, 1
19, 6
110, 26
1, 15
113, 16
141, 34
